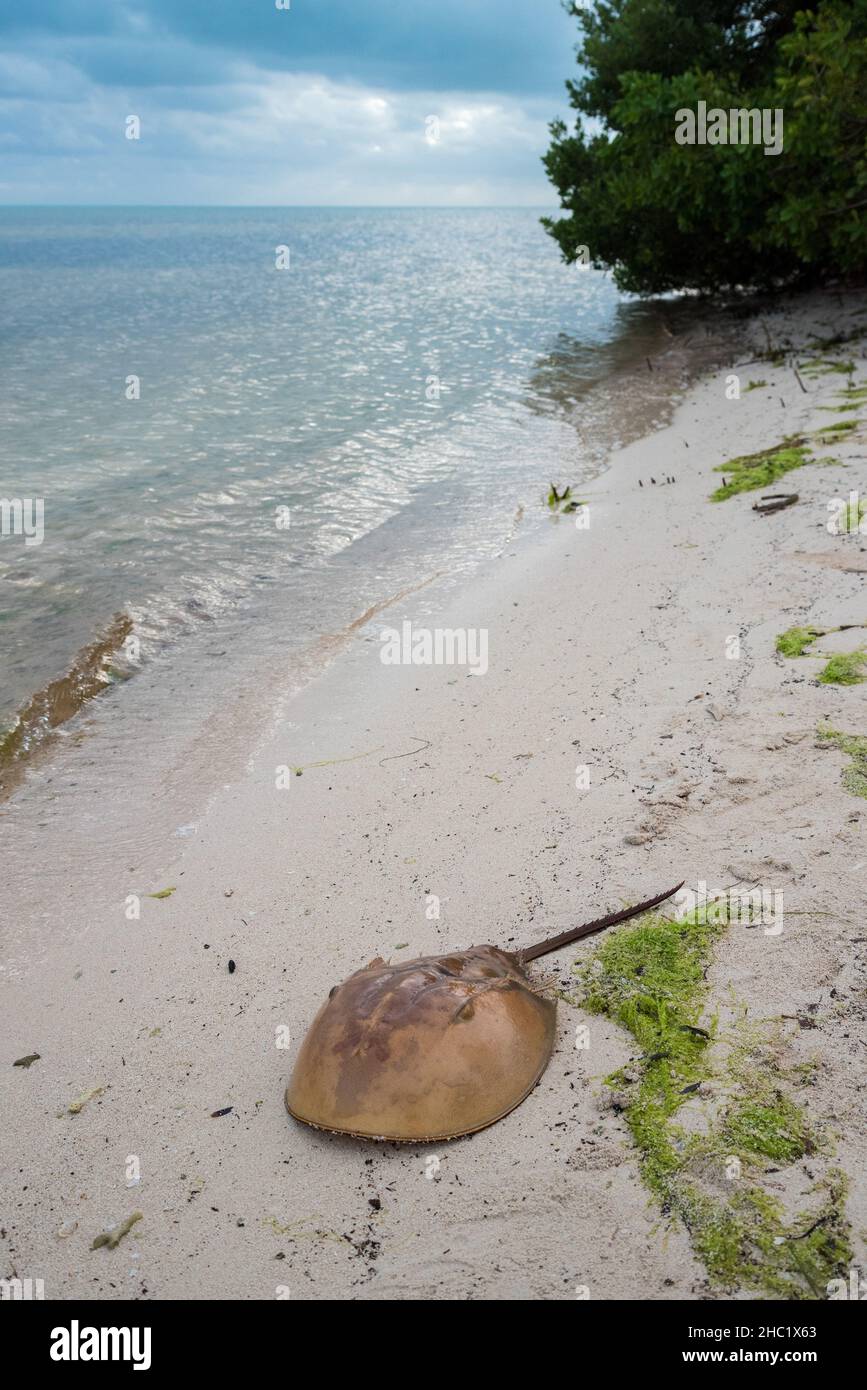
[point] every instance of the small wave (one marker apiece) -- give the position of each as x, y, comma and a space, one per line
88, 676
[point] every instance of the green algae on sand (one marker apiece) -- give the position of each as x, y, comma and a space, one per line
650, 978
841, 668
821, 366
111, 1239
845, 668
853, 777
795, 640
836, 431
748, 472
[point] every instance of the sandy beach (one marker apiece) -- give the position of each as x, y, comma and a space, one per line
426, 789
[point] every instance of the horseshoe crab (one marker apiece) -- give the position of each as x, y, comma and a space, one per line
431, 1048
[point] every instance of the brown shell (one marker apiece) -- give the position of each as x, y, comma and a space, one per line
427, 1049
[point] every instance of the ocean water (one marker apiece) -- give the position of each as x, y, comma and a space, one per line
235, 458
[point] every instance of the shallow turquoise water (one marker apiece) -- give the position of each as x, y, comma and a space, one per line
399, 387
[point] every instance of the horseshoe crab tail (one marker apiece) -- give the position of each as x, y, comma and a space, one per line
553, 943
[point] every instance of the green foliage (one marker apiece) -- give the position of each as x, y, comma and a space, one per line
563, 501
666, 216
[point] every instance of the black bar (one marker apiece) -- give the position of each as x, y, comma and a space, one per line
240, 1337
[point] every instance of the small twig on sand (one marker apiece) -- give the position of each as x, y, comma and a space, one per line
776, 501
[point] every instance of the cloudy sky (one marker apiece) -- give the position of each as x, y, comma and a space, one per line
326, 102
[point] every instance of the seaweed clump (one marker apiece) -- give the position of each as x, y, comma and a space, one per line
795, 640
845, 668
853, 777
829, 434
821, 366
750, 471
650, 979
841, 668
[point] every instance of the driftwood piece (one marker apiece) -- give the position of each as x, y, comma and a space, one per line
776, 501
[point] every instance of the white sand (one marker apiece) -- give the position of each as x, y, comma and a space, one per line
607, 648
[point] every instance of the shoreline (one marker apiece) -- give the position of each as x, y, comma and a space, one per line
699, 765
71, 709
167, 510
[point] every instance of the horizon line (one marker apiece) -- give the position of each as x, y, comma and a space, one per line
320, 207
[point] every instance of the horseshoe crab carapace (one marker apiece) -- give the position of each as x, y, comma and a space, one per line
431, 1048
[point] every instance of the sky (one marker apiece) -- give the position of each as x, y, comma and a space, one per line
327, 102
